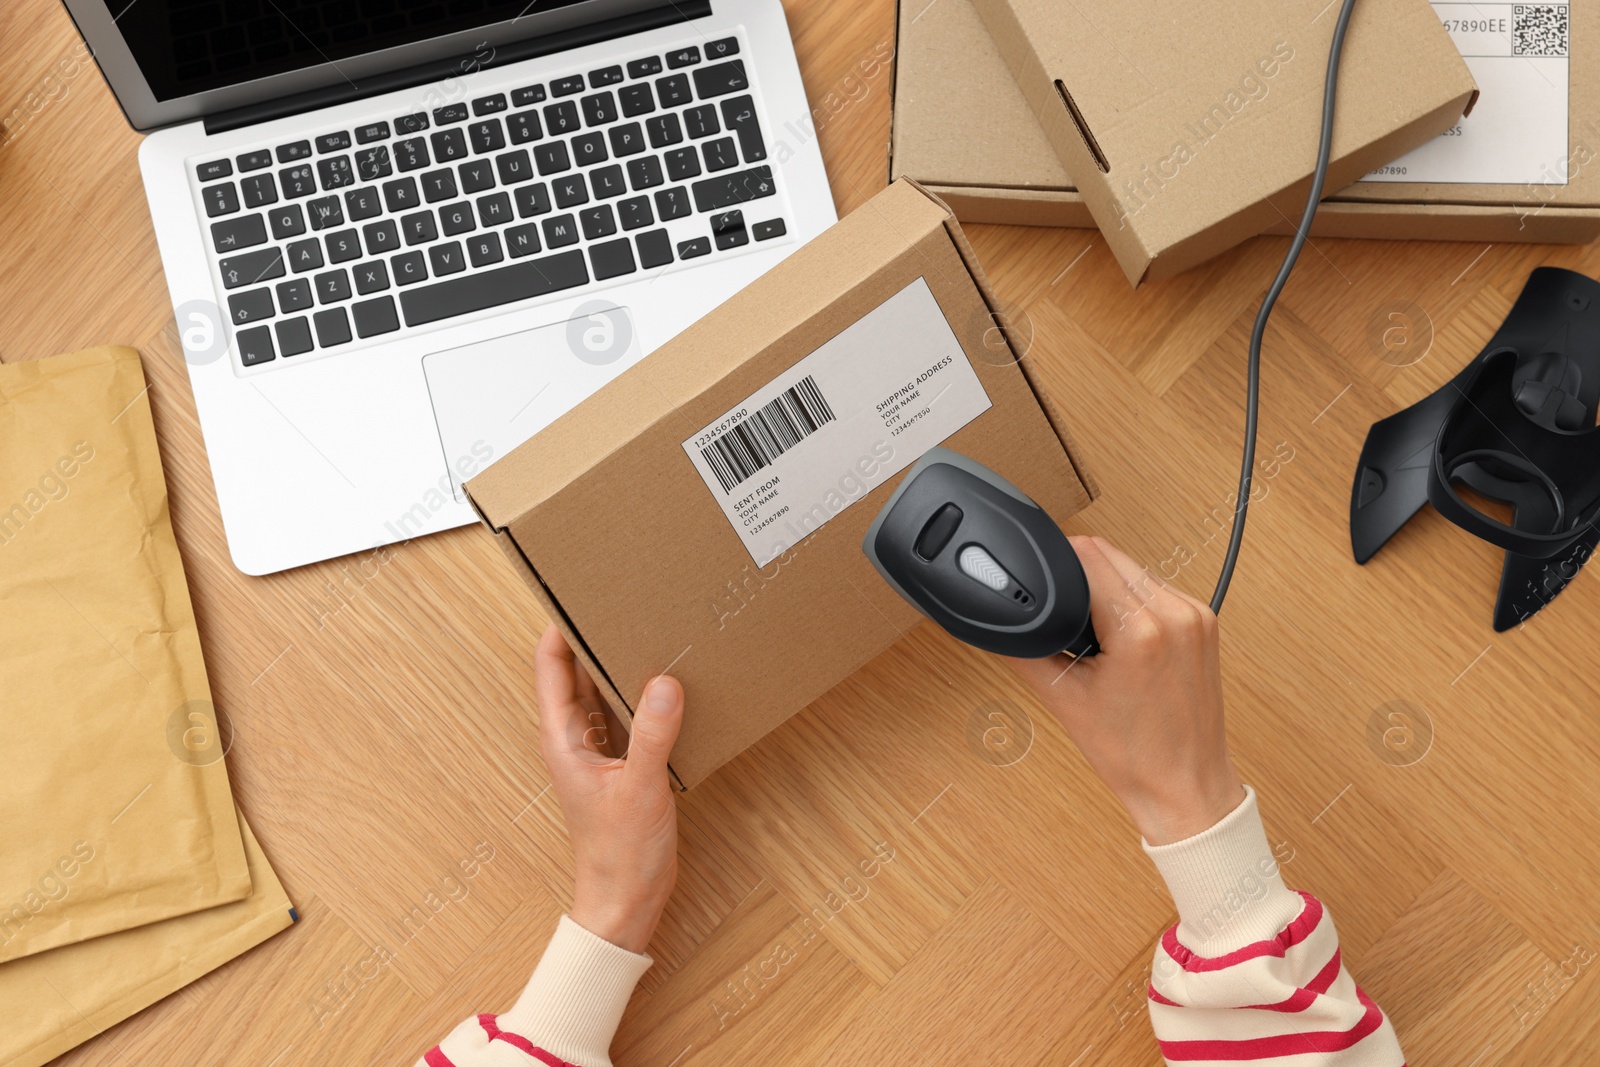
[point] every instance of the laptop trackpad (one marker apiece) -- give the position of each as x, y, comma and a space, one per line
491, 396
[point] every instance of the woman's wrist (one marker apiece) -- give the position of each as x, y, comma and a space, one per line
626, 919
1181, 807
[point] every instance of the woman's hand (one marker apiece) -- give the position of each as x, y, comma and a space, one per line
621, 816
1147, 711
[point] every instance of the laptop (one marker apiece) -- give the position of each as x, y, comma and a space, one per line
401, 237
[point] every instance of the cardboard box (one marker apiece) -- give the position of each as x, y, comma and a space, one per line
964, 130
647, 525
1190, 127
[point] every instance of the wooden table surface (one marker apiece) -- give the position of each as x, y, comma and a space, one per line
385, 723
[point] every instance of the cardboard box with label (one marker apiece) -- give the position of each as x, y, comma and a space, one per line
704, 512
1524, 166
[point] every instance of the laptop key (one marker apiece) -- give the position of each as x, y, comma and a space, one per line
487, 136
373, 163
552, 158
673, 90
220, 199
528, 94
476, 176
627, 139
572, 83
766, 231
484, 249
294, 295
305, 255
287, 221
325, 212
672, 203
701, 121
597, 222
589, 149
522, 240
252, 305
645, 173
560, 231
721, 79
605, 76
382, 236
401, 195
457, 218
333, 286
372, 131
297, 181
254, 160
409, 268
343, 246
419, 228
294, 336
635, 212
230, 235
612, 259
449, 145
489, 105
643, 68
683, 163
524, 127
739, 115
217, 168
255, 345
447, 259
333, 327
522, 280
333, 142
288, 153
335, 172
249, 268
411, 123
636, 100
411, 154
514, 167
683, 57
737, 187
363, 203
663, 130
443, 116
371, 277
655, 249
562, 117
728, 230
570, 190
607, 182
720, 154
699, 246
600, 109
722, 48
494, 209
439, 185
533, 200
258, 190
375, 316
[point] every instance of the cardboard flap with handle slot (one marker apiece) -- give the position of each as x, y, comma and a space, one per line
703, 513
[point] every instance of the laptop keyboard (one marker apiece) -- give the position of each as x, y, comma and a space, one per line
417, 218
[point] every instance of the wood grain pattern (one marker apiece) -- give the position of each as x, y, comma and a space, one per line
384, 713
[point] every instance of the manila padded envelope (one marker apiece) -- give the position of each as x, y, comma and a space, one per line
114, 802
56, 1000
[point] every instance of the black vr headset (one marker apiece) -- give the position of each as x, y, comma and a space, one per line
1516, 425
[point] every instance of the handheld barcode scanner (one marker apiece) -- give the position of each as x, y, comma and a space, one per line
976, 555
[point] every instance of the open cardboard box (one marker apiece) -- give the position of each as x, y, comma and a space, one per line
963, 128
704, 512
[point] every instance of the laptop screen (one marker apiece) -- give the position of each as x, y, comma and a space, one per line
189, 46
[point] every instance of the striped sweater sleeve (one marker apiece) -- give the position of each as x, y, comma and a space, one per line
1252, 971
565, 1017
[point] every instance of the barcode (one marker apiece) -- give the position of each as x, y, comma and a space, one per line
790, 418
1539, 30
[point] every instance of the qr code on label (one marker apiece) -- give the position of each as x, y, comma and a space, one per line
1539, 30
